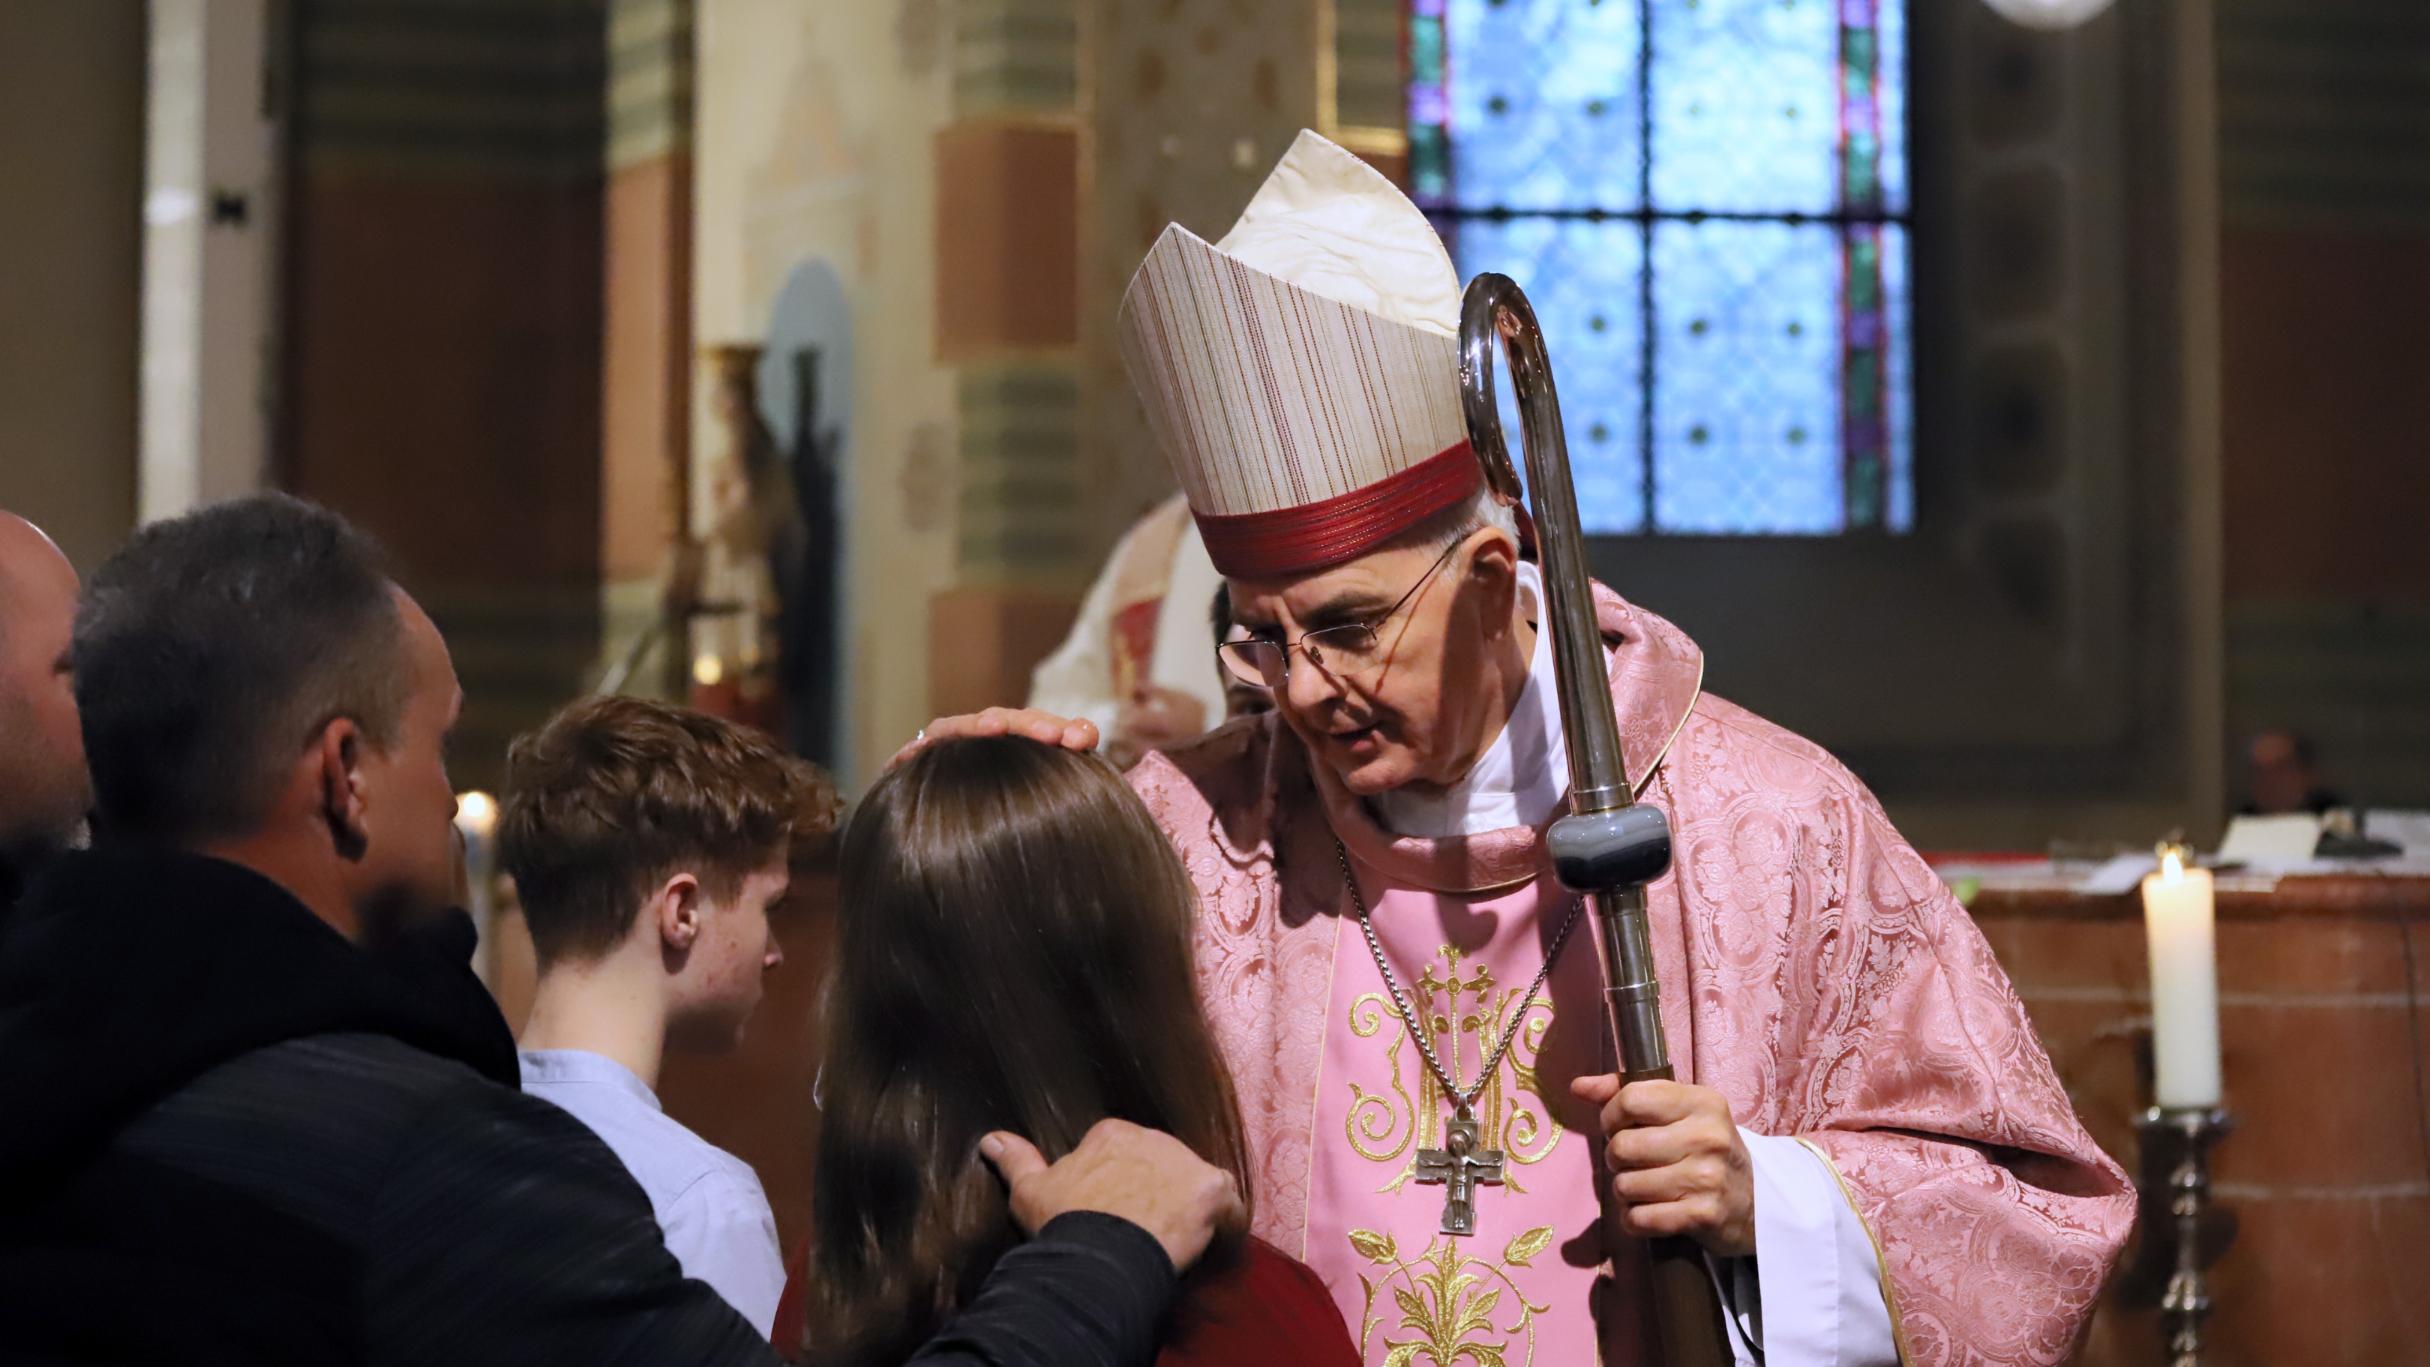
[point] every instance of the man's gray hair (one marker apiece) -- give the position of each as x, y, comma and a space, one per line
1459, 522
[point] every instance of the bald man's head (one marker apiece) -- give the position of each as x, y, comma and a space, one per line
46, 792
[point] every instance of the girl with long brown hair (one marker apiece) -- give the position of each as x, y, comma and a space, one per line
1013, 953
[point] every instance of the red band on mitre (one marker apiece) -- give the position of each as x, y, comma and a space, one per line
1314, 535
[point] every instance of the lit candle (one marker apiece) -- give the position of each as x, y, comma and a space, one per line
477, 813
2185, 983
477, 822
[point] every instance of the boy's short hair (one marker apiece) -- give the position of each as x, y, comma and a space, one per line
614, 794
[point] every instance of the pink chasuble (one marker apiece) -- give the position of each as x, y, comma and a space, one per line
1516, 1290
1814, 972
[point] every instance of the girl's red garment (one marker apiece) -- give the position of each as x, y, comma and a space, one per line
786, 1332
1263, 1309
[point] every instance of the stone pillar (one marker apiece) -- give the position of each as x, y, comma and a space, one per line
210, 252
1008, 191
645, 428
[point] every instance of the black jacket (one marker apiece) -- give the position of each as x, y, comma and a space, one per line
228, 1134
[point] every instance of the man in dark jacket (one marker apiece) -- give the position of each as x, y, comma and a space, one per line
43, 792
254, 1107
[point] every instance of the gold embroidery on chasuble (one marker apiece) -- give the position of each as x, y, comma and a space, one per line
1440, 1306
1468, 1017
1518, 1291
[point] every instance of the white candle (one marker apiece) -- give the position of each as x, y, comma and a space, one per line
477, 822
2185, 984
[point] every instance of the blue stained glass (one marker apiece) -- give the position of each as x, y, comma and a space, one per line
1782, 367
1746, 106
1582, 280
1900, 373
1746, 404
1543, 104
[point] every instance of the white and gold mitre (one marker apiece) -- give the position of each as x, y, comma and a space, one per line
1302, 375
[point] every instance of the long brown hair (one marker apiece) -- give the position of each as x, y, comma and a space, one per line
1013, 953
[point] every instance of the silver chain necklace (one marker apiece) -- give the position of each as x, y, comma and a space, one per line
1460, 1164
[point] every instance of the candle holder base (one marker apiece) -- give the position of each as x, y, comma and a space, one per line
2183, 1232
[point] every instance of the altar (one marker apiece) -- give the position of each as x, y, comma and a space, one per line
2322, 1190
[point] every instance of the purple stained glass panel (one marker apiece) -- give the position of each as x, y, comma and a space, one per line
1890, 87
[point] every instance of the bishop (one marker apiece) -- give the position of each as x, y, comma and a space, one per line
1866, 1137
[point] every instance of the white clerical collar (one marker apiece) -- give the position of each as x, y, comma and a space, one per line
1520, 779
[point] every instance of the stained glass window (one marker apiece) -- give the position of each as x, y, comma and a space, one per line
1707, 202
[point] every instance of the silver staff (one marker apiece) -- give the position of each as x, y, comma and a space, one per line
1606, 848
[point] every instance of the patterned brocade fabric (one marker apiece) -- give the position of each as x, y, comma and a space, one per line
1815, 972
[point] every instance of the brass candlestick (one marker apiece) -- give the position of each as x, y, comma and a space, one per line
2187, 1300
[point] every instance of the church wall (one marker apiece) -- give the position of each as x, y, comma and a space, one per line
2325, 281
1189, 108
71, 136
984, 187
815, 128
441, 382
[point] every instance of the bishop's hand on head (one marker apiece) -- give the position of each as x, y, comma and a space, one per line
1679, 1165
1043, 727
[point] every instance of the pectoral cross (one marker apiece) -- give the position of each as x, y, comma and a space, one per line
1458, 1167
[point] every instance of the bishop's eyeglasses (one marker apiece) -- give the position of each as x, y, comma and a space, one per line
1346, 649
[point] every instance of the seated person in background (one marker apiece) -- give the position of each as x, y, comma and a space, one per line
2282, 776
247, 1116
648, 843
1013, 953
1130, 665
1240, 697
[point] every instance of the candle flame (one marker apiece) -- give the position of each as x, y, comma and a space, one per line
476, 812
2172, 867
708, 670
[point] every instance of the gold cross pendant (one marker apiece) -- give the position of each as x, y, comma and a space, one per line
1458, 1167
